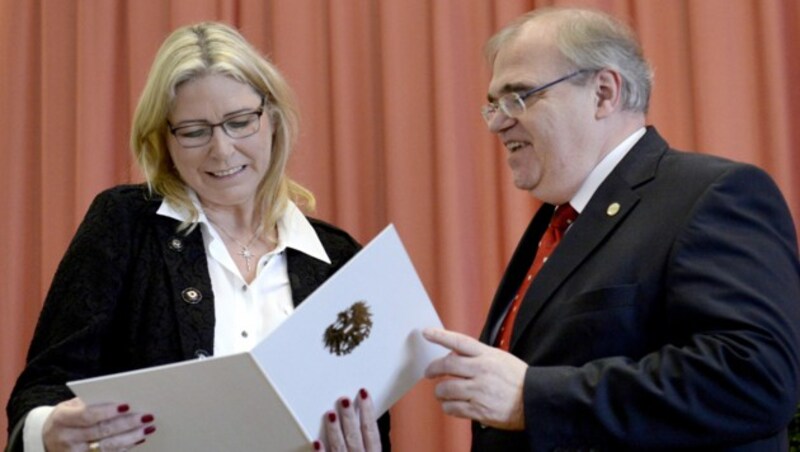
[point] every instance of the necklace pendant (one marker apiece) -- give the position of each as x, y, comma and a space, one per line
247, 255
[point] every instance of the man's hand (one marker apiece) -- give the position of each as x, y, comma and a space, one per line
480, 382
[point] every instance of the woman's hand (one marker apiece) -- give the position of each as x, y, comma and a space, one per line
76, 427
352, 426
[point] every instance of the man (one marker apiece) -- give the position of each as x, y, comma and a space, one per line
668, 316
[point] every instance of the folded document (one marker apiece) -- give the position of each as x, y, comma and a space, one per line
361, 328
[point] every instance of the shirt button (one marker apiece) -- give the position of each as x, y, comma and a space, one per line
244, 288
244, 334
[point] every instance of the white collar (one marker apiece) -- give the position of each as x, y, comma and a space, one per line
294, 229
603, 169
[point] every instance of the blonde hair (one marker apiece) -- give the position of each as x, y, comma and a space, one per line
195, 51
590, 40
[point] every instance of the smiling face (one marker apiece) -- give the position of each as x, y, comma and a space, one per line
225, 172
552, 147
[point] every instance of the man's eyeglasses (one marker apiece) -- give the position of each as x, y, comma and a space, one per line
513, 104
199, 134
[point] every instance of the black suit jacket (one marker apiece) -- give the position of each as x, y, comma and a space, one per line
132, 292
670, 324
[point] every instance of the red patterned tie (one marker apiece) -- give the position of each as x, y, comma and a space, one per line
563, 216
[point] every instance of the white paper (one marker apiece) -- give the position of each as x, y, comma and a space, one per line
217, 404
274, 397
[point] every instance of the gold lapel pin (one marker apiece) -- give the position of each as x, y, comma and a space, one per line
613, 209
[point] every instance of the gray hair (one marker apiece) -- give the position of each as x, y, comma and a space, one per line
590, 40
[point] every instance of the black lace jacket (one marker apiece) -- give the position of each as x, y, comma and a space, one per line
132, 292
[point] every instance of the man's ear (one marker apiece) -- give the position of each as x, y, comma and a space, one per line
608, 92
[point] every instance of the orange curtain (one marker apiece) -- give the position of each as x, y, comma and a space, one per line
389, 92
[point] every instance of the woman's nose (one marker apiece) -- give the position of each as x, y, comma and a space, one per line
221, 144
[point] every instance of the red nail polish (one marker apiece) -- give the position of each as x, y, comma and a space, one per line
345, 403
317, 445
147, 418
363, 393
332, 416
123, 408
149, 429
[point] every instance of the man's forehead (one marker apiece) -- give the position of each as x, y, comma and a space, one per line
507, 82
522, 65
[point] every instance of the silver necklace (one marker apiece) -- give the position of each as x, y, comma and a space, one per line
245, 249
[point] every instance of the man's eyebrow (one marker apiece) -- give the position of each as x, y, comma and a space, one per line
509, 88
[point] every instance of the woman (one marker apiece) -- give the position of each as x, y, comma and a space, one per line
207, 258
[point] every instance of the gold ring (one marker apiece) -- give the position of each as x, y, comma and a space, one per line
94, 446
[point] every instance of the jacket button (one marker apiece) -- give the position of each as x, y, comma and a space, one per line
201, 354
175, 244
191, 295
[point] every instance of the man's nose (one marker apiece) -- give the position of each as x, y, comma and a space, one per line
500, 121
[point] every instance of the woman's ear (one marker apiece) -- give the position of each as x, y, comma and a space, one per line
608, 92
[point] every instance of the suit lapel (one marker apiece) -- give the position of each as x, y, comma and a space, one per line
517, 268
609, 206
305, 274
592, 228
